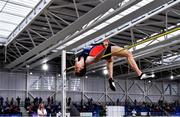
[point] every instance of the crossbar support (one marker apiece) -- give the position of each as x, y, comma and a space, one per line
63, 72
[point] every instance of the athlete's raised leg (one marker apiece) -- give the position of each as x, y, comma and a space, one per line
120, 52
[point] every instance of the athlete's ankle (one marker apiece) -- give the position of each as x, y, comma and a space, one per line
139, 74
111, 78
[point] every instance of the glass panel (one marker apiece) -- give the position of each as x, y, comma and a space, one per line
31, 3
4, 34
48, 83
10, 18
2, 5
35, 83
16, 10
74, 85
60, 86
6, 26
12, 13
27, 3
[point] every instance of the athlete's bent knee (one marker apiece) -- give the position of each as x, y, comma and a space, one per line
129, 54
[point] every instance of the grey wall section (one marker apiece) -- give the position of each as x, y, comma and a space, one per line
43, 94
97, 88
179, 89
12, 85
130, 90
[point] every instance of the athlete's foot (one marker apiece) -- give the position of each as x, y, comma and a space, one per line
144, 76
112, 84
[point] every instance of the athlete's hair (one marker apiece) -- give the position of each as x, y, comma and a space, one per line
82, 72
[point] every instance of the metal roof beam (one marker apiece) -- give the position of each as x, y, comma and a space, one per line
138, 13
131, 3
126, 22
100, 9
72, 5
149, 28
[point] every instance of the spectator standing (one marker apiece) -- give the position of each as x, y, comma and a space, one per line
48, 100
18, 99
28, 101
36, 100
12, 101
69, 101
7, 101
52, 100
1, 101
40, 100
118, 102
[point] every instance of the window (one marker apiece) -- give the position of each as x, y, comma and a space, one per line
12, 12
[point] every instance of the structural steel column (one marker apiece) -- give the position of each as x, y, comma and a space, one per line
63, 72
82, 90
106, 88
27, 84
56, 87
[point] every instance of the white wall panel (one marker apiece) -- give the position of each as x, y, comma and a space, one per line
179, 89
139, 98
94, 96
12, 85
120, 85
113, 97
75, 96
137, 89
171, 98
154, 88
59, 96
13, 94
12, 80
43, 94
94, 84
155, 98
